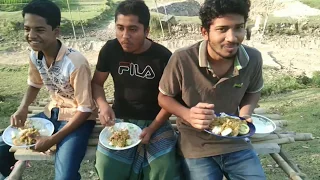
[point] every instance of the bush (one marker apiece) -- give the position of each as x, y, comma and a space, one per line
281, 85
17, 5
316, 78
287, 83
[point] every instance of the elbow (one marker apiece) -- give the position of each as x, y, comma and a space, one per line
161, 99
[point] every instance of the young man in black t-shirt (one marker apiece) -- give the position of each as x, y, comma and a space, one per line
136, 65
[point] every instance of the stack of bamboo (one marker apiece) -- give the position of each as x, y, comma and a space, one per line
270, 144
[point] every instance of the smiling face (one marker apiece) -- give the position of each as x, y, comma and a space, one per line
224, 36
38, 33
130, 33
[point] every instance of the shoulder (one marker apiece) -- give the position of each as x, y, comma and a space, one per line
159, 48
191, 49
111, 45
187, 53
33, 55
253, 53
76, 58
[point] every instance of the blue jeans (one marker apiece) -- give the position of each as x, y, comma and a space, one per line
241, 165
71, 150
6, 159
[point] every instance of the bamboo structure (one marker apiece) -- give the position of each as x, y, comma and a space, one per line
269, 144
74, 32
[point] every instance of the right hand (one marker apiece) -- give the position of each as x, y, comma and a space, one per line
201, 115
19, 117
106, 115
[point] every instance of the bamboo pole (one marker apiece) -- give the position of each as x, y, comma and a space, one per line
84, 34
284, 155
285, 167
296, 137
155, 1
285, 140
16, 173
74, 32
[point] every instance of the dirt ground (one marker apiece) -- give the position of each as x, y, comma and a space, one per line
278, 52
288, 59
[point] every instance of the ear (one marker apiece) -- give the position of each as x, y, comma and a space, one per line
147, 31
57, 31
204, 33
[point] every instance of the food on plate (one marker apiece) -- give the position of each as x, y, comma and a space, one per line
229, 126
25, 135
120, 138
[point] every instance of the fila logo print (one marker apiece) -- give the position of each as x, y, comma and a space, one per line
134, 70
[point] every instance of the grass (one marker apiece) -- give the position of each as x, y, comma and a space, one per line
13, 85
84, 15
312, 3
299, 107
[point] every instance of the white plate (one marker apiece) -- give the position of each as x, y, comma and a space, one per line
45, 127
134, 132
264, 125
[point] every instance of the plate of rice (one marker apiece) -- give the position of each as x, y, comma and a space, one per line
120, 136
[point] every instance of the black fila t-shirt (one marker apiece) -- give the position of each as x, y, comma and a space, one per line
136, 78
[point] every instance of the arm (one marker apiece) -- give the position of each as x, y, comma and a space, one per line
199, 116
20, 116
161, 118
80, 80
35, 83
106, 115
97, 88
251, 97
173, 106
248, 104
78, 119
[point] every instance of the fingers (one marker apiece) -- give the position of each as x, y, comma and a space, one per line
143, 133
106, 120
201, 116
112, 115
12, 121
196, 110
201, 124
249, 120
205, 106
16, 121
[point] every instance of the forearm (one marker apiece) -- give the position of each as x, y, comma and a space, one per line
173, 106
29, 97
78, 119
161, 118
99, 95
248, 104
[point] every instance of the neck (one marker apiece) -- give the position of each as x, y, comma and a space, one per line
216, 58
51, 53
145, 46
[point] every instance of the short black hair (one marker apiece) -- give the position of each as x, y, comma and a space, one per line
46, 9
134, 7
212, 9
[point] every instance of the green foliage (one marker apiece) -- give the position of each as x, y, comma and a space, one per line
287, 83
312, 3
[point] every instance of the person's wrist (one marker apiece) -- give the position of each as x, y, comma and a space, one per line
246, 116
104, 105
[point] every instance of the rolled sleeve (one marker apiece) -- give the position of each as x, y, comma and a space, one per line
81, 82
256, 82
171, 81
34, 78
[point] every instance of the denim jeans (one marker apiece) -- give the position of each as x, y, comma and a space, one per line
71, 150
6, 159
241, 165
